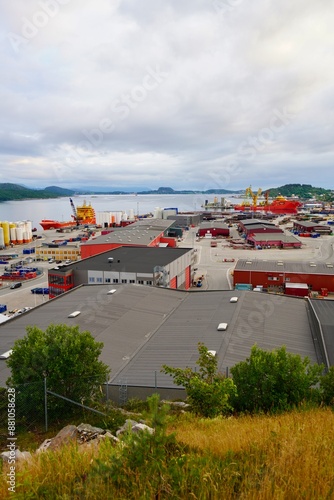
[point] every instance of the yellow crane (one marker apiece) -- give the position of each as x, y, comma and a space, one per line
254, 196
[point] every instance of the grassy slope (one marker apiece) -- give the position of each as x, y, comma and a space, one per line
286, 456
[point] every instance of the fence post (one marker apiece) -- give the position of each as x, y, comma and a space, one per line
46, 405
107, 390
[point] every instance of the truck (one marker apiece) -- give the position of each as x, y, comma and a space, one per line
213, 243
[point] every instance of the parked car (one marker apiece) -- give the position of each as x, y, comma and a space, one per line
39, 290
15, 285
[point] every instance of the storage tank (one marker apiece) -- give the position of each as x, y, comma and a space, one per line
25, 235
118, 216
158, 213
124, 216
131, 214
2, 241
19, 235
6, 233
12, 232
168, 212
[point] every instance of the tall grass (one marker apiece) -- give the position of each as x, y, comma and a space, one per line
289, 456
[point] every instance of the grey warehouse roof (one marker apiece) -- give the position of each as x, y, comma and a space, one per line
141, 232
144, 327
131, 259
309, 267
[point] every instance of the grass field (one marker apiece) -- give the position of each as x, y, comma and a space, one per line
289, 456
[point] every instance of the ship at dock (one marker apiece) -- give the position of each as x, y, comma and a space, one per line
279, 205
82, 215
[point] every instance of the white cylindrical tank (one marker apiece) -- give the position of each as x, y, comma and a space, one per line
131, 214
118, 218
25, 236
124, 216
158, 213
2, 241
166, 213
13, 234
19, 235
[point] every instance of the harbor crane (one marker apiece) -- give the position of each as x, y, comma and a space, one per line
75, 215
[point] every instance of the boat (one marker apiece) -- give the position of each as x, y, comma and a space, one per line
279, 205
82, 215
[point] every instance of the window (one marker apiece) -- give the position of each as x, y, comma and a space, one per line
91, 280
140, 282
148, 282
115, 280
124, 281
107, 280
99, 280
132, 281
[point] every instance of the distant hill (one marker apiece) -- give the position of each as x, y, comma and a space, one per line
9, 192
169, 190
303, 191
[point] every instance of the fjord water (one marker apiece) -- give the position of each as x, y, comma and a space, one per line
60, 208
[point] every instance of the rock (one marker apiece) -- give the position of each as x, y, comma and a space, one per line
127, 425
66, 435
19, 455
142, 427
44, 446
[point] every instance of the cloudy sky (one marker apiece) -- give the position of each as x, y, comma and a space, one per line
193, 94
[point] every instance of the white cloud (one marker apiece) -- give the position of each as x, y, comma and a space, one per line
79, 102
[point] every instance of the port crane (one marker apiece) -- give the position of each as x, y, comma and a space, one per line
75, 215
254, 196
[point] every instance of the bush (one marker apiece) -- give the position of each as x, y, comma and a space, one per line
274, 380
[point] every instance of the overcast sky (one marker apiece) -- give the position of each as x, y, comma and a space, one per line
191, 94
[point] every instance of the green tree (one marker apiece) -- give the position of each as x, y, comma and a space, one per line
66, 357
327, 387
274, 380
208, 390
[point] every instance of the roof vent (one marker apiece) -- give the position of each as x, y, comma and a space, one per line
249, 262
313, 264
110, 259
234, 299
279, 263
329, 265
213, 353
74, 314
111, 291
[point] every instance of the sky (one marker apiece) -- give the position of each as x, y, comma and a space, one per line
190, 94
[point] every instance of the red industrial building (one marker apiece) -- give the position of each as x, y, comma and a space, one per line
311, 227
273, 240
142, 233
213, 228
165, 267
274, 275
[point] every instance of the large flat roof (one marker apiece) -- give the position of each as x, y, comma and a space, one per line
292, 266
143, 327
130, 259
141, 232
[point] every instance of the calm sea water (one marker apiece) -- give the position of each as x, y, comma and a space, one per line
60, 208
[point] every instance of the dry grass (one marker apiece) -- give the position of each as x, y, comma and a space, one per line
289, 456
296, 450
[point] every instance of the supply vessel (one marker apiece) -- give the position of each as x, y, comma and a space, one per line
279, 205
82, 215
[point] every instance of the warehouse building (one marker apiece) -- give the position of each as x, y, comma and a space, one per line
167, 267
273, 275
213, 229
311, 227
144, 233
143, 328
273, 240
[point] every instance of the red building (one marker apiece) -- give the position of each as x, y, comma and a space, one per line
273, 275
214, 228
